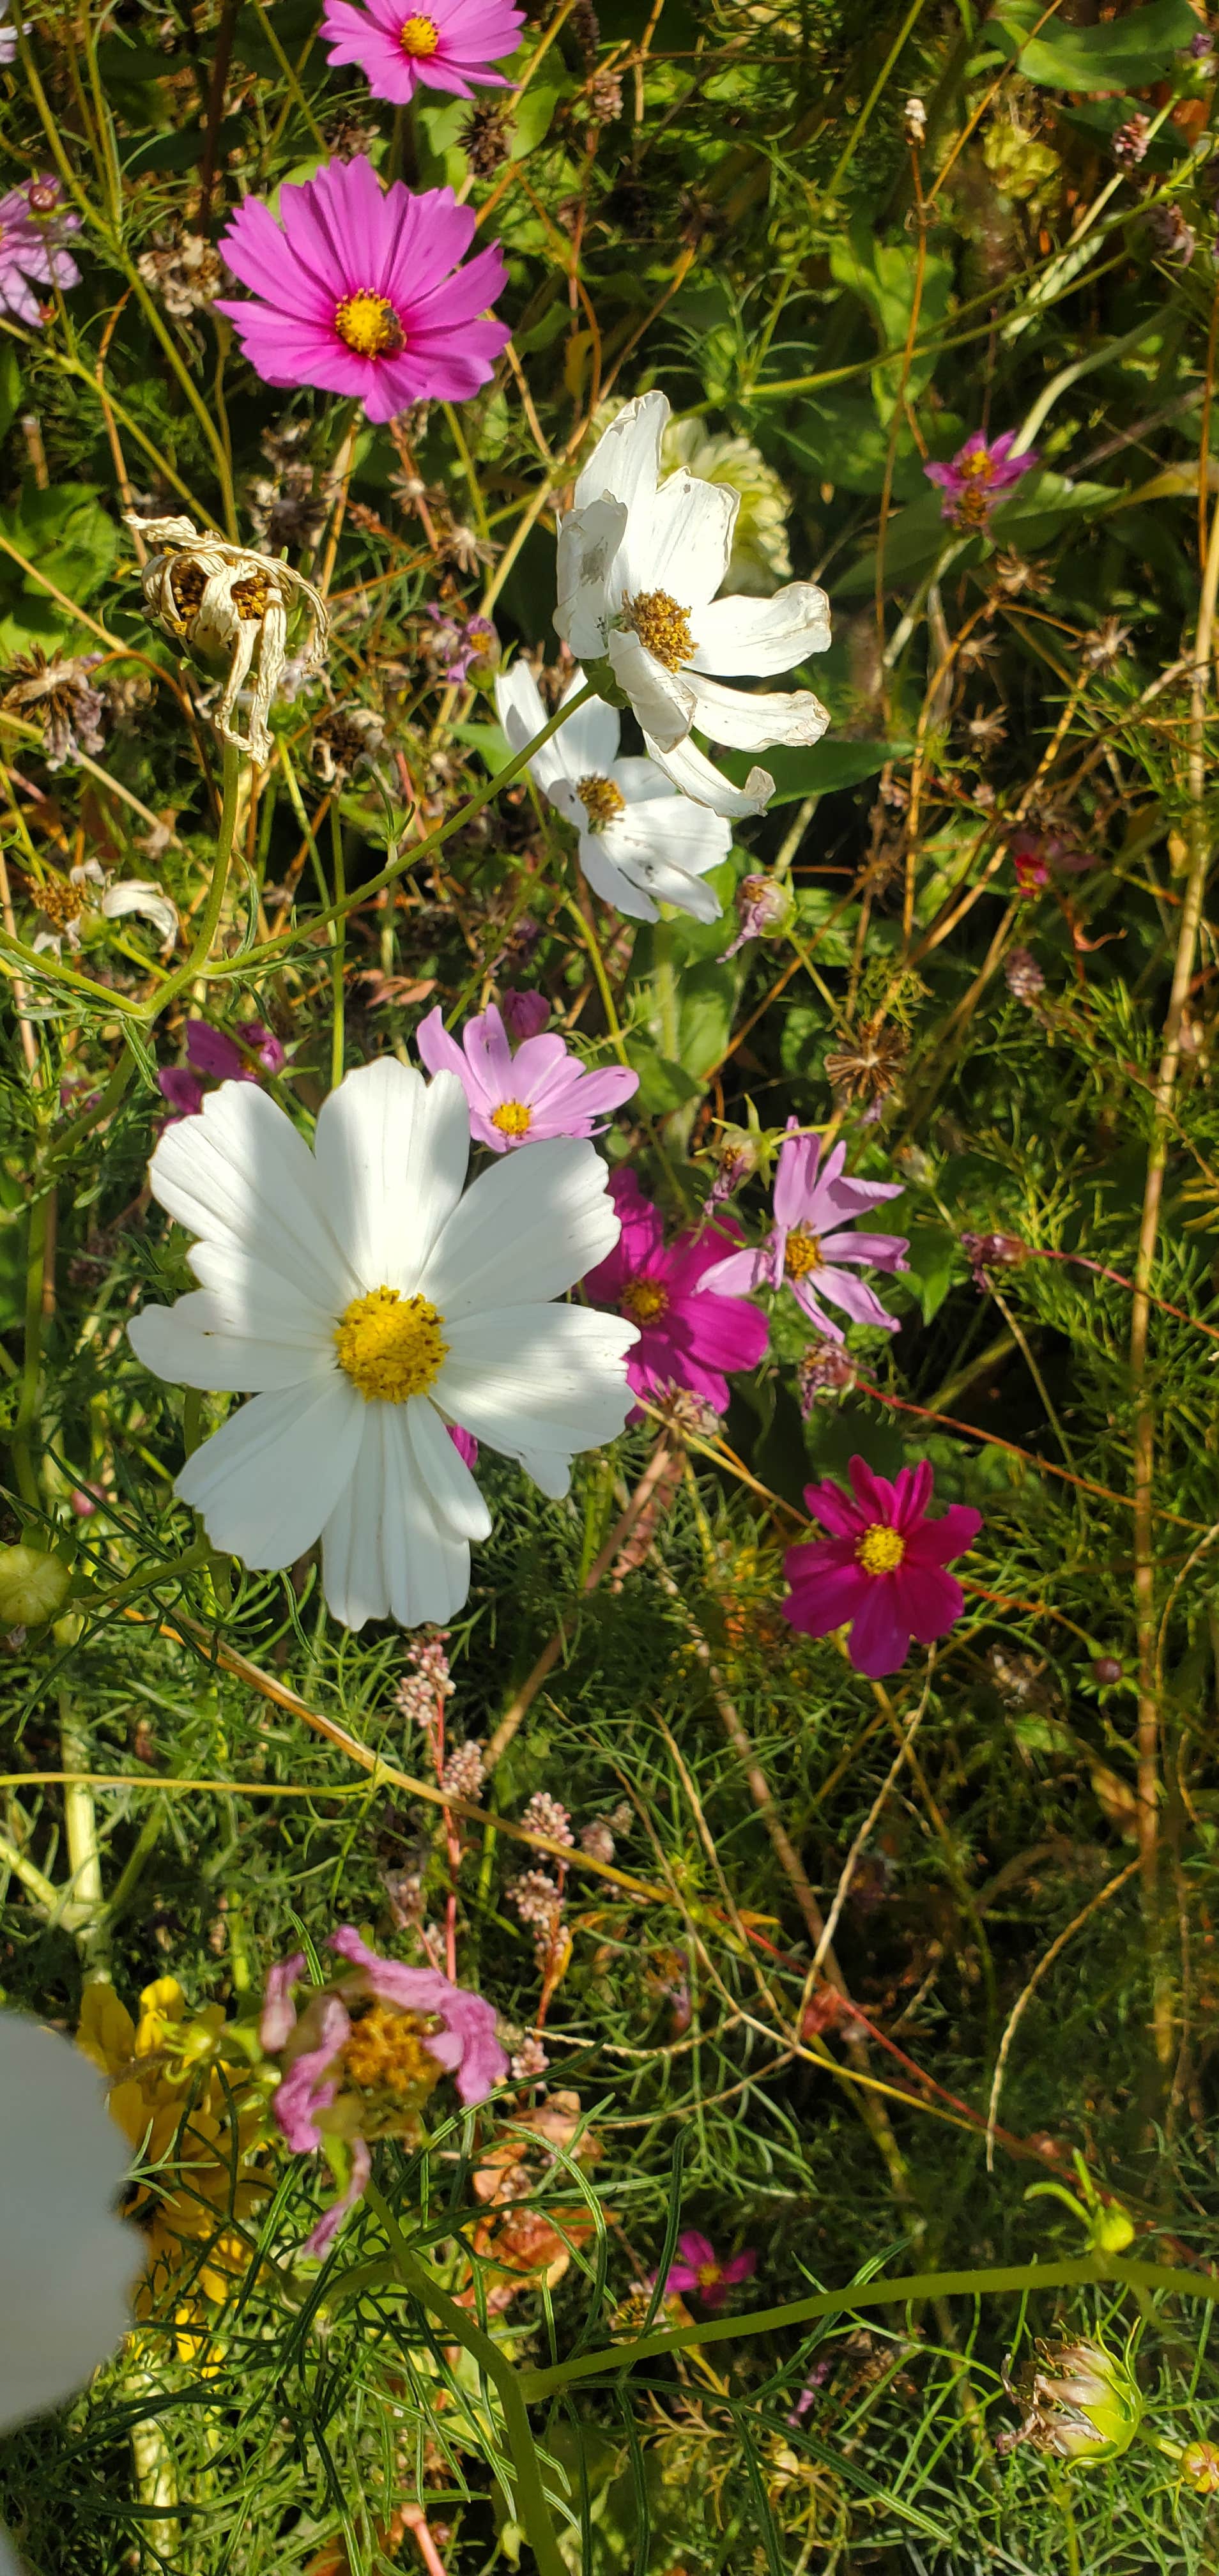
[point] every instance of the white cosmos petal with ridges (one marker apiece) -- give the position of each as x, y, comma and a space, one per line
267, 1481
392, 1153
68, 2265
752, 722
444, 1470
521, 1379
239, 1173
195, 1344
690, 771
528, 1229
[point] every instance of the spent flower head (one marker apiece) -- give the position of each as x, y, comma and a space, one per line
222, 604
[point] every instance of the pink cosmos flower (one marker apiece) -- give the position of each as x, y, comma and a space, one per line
446, 44
358, 291
543, 1090
978, 476
213, 1056
809, 1246
882, 1568
460, 642
33, 229
699, 2268
688, 1334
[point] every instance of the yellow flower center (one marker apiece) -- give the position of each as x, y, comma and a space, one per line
513, 1118
390, 1346
61, 901
602, 801
978, 465
662, 627
708, 2275
881, 1549
419, 37
387, 2053
644, 1299
370, 326
802, 1253
252, 597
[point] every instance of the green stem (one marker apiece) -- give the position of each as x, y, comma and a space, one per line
337, 950
532, 2507
31, 1374
230, 789
592, 946
84, 1855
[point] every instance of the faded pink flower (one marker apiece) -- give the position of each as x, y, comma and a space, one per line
810, 1248
543, 1090
698, 2268
34, 225
978, 476
690, 1333
213, 1056
460, 642
358, 291
446, 44
881, 1571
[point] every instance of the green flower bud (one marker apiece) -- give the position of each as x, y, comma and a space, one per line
1199, 2467
1085, 2403
1112, 2231
33, 1586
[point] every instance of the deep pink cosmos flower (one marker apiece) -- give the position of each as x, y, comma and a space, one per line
358, 291
978, 476
446, 44
543, 1090
809, 1246
364, 2054
33, 228
699, 2268
213, 1056
882, 1568
688, 1335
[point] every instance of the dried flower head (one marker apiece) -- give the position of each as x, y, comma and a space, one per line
484, 138
1130, 142
1103, 646
220, 602
187, 273
867, 1063
57, 692
1081, 2403
347, 739
824, 1369
915, 120
65, 903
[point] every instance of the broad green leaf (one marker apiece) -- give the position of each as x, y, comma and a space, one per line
707, 1000
65, 534
838, 437
663, 1085
816, 771
933, 1257
1123, 54
884, 276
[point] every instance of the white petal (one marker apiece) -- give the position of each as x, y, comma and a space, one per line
672, 829
518, 704
384, 1552
636, 880
626, 461
268, 1480
586, 573
613, 884
549, 1378
255, 1299
590, 738
697, 777
640, 781
553, 1475
749, 721
192, 1344
156, 907
239, 1174
526, 1230
445, 1473
663, 700
392, 1152
67, 2264
759, 636
683, 543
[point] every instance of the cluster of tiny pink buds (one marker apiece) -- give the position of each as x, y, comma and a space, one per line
537, 1900
544, 1815
824, 1369
1024, 976
427, 1682
465, 1772
530, 2060
1130, 142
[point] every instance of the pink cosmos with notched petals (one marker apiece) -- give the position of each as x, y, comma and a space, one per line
442, 44
357, 291
809, 1247
543, 1090
689, 1335
882, 1569
698, 2268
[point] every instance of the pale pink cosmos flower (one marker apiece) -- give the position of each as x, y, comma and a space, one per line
698, 2268
543, 1090
34, 226
357, 291
882, 1569
810, 1248
445, 44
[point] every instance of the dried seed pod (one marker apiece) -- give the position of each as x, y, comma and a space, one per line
219, 602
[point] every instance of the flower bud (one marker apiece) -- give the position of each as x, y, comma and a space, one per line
1111, 2231
1085, 2404
1106, 1670
1199, 2467
33, 1586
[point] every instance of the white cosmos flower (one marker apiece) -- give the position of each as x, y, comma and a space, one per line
640, 562
641, 843
63, 901
67, 2264
367, 1305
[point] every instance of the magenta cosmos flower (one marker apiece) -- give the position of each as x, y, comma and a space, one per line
543, 1090
362, 2057
809, 1246
33, 229
978, 476
688, 1334
699, 2268
881, 1570
449, 44
358, 291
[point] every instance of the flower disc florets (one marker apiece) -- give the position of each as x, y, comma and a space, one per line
221, 602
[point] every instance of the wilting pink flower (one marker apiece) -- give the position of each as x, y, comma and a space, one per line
213, 1056
1037, 857
543, 1090
689, 1335
978, 476
698, 2267
809, 1246
358, 291
764, 907
523, 1014
33, 229
881, 1571
459, 642
446, 44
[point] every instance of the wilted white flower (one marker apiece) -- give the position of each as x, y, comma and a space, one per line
368, 1306
64, 904
220, 601
627, 538
641, 842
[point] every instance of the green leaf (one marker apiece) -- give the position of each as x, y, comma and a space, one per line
10, 386
839, 438
883, 275
706, 1007
67, 535
933, 1258
663, 1085
815, 771
1124, 54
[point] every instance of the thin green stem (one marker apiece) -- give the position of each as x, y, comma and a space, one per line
337, 953
31, 1373
197, 960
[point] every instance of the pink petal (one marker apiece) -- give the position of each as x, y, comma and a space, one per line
835, 1510
929, 1601
873, 1494
855, 1298
879, 1641
796, 1179
912, 1492
953, 1533
321, 2237
823, 1598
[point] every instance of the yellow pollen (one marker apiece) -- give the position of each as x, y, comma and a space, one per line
390, 1346
662, 627
708, 2275
387, 2053
881, 1549
252, 597
370, 326
61, 901
643, 1300
802, 1253
979, 465
419, 36
512, 1118
602, 801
